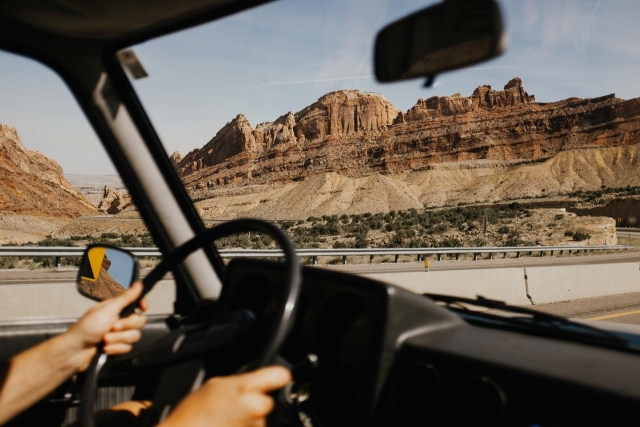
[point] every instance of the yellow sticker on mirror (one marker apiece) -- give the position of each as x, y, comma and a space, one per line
95, 256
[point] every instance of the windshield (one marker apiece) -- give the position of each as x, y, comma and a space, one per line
515, 179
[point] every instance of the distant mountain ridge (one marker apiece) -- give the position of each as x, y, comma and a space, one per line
357, 134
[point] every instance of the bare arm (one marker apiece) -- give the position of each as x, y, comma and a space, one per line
33, 374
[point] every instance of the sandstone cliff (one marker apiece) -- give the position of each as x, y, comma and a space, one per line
357, 134
33, 184
114, 201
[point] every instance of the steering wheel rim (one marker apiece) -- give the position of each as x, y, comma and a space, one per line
286, 303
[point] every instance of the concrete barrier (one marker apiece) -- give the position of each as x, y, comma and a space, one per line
512, 285
61, 300
553, 284
505, 284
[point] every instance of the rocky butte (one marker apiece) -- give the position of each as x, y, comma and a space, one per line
33, 184
356, 134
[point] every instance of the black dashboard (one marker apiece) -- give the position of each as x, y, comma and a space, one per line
391, 357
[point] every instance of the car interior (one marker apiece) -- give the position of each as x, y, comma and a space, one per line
362, 352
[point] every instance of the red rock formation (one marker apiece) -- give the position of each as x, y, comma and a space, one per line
357, 134
341, 113
31, 183
483, 98
114, 201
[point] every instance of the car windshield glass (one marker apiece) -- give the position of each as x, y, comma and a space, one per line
516, 179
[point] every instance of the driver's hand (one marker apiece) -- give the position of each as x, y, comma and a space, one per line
102, 323
233, 401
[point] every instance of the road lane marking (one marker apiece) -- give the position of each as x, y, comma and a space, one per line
611, 316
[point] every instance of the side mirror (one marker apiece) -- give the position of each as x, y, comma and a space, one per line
449, 35
106, 272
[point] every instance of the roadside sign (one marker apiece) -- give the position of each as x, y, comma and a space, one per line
426, 264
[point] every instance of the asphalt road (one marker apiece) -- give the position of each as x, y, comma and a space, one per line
623, 308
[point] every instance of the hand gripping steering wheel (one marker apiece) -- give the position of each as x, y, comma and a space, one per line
194, 340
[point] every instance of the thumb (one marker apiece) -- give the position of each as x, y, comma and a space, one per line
127, 297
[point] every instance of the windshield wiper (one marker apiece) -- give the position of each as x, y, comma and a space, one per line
557, 326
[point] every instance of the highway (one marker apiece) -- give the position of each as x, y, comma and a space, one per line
623, 308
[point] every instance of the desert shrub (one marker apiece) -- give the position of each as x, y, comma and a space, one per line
449, 242
558, 217
580, 236
9, 262
286, 225
568, 233
504, 230
51, 241
361, 242
441, 228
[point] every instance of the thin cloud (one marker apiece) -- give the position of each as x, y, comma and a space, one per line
301, 82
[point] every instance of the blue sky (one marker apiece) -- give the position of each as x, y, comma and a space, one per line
285, 55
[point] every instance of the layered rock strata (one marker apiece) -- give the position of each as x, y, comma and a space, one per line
357, 134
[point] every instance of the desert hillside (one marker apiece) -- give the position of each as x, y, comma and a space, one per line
33, 184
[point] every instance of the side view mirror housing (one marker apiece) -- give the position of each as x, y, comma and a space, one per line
443, 37
106, 272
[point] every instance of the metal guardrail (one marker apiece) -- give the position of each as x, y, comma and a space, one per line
59, 252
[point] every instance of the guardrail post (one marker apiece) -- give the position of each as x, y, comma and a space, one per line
457, 257
541, 254
439, 257
551, 253
561, 253
530, 253
504, 255
370, 258
58, 262
569, 251
397, 258
475, 257
314, 260
419, 257
344, 259
490, 255
517, 254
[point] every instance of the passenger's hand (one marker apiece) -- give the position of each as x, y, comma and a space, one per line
102, 323
234, 401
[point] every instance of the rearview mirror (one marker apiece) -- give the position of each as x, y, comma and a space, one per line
449, 35
106, 272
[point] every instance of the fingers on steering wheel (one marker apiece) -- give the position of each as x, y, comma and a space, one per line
125, 337
134, 321
257, 404
266, 379
118, 348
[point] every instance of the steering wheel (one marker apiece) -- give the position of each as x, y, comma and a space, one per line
182, 353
